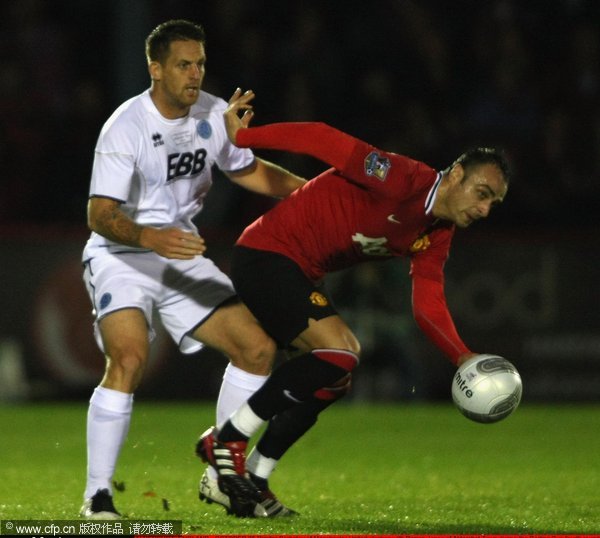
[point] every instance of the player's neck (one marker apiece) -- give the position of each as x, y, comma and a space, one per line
166, 109
440, 209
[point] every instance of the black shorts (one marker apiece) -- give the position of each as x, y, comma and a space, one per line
278, 293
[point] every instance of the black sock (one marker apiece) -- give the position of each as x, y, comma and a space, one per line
286, 428
230, 433
260, 483
293, 382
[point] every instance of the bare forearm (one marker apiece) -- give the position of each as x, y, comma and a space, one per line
269, 179
281, 182
113, 224
106, 218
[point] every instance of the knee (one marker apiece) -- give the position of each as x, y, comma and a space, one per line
351, 343
255, 356
338, 390
354, 346
124, 370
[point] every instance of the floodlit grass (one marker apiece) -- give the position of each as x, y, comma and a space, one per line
395, 469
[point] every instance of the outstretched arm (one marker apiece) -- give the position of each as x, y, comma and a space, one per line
316, 139
433, 318
267, 178
264, 177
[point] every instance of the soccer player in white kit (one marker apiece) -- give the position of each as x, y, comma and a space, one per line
150, 177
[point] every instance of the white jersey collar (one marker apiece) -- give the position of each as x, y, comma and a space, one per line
430, 200
151, 107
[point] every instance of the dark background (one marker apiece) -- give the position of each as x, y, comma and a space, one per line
427, 79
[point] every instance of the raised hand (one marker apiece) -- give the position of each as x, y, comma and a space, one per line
233, 122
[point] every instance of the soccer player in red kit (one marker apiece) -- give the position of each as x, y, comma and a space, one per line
371, 205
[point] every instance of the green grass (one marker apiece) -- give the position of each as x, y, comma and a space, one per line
396, 469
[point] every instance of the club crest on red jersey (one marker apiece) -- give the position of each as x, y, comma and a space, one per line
376, 165
318, 299
421, 243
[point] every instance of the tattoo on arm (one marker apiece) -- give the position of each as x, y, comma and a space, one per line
116, 226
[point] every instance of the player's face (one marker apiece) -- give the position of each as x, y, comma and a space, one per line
179, 79
471, 195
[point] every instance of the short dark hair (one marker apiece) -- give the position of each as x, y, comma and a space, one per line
480, 155
160, 39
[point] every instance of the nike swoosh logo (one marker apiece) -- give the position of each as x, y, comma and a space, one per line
288, 395
391, 218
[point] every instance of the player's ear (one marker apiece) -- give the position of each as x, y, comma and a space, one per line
155, 70
457, 173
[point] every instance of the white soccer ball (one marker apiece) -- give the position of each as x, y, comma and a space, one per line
487, 388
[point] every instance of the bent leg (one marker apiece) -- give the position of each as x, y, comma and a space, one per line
327, 333
331, 353
125, 339
235, 332
286, 428
299, 378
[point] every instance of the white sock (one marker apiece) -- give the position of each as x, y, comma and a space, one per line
260, 465
238, 385
246, 421
108, 420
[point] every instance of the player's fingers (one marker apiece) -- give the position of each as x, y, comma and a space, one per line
190, 237
240, 106
247, 117
236, 95
191, 251
175, 256
185, 253
192, 245
234, 108
239, 98
244, 99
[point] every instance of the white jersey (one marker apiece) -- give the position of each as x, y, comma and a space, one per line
161, 169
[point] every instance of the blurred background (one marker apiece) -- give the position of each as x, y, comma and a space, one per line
425, 78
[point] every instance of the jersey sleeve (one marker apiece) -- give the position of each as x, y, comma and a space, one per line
318, 140
234, 159
430, 263
358, 161
428, 298
114, 163
433, 318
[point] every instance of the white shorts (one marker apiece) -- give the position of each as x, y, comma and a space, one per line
183, 292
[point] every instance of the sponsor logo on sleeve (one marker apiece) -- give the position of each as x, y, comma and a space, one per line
377, 166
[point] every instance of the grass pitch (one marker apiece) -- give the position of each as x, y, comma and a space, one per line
395, 469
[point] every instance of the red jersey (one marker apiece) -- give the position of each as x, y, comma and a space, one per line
372, 205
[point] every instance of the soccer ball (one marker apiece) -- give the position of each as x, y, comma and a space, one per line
486, 388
